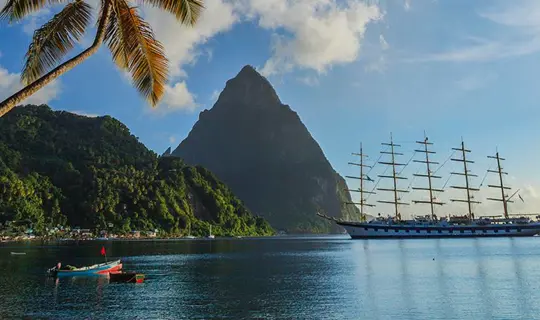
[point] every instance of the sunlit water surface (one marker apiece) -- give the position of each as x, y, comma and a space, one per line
285, 278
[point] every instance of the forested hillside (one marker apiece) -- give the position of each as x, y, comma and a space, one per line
58, 168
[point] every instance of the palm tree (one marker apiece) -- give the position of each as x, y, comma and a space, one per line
130, 39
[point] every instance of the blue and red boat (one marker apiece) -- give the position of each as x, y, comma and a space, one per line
96, 269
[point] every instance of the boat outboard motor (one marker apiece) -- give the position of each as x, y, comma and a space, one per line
54, 269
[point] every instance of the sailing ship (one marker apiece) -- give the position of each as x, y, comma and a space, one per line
432, 225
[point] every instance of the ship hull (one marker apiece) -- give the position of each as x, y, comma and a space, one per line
380, 231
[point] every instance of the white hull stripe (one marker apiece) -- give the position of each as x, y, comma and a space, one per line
382, 231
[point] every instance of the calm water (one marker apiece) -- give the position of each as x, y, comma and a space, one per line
300, 278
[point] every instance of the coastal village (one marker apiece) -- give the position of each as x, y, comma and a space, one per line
20, 231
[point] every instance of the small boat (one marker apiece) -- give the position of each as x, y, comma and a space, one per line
126, 277
189, 236
18, 253
210, 235
102, 268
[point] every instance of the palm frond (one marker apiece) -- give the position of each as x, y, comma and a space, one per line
186, 11
17, 9
54, 39
134, 47
116, 42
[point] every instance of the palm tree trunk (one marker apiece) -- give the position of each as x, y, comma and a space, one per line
11, 102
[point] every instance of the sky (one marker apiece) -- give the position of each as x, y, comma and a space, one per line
355, 71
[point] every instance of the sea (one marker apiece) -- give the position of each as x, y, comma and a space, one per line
288, 277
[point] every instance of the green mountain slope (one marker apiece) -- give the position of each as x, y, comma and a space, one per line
58, 168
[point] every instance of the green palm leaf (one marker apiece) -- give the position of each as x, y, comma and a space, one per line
54, 39
17, 9
115, 41
186, 11
133, 45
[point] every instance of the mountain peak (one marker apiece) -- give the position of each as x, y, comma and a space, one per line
249, 89
248, 71
261, 149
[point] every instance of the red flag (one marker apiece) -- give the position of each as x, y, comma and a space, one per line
103, 251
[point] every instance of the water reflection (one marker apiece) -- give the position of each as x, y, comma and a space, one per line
442, 280
483, 290
407, 290
286, 279
371, 291
521, 286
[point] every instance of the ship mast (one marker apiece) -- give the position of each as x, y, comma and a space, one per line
429, 176
363, 202
465, 173
395, 177
503, 198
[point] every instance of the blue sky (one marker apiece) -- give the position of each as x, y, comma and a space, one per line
353, 70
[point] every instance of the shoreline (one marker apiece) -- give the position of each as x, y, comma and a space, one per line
286, 236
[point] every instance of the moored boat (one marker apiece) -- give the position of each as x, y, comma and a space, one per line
101, 268
210, 235
189, 236
126, 277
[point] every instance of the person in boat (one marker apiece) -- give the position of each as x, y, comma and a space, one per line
67, 267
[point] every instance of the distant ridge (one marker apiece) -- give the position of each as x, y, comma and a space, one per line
167, 152
262, 150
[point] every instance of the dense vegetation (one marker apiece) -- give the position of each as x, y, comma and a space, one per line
57, 168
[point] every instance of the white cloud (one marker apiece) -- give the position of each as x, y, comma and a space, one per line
176, 98
209, 54
183, 46
476, 81
407, 5
308, 34
85, 114
486, 51
311, 34
522, 36
215, 95
172, 139
181, 42
10, 83
36, 20
384, 44
531, 191
378, 65
530, 202
309, 81
526, 14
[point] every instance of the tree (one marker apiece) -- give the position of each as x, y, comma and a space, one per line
130, 39
53, 172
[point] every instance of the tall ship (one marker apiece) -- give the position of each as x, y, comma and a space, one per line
432, 225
